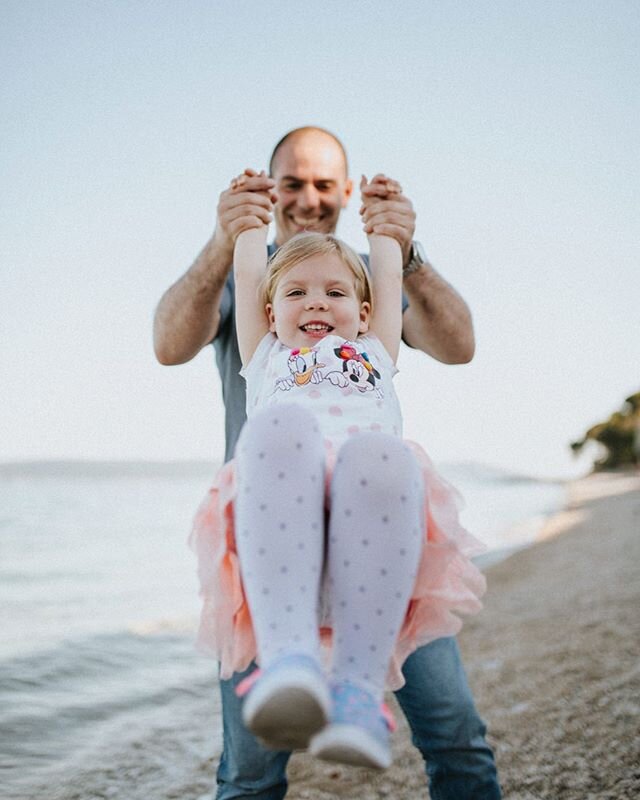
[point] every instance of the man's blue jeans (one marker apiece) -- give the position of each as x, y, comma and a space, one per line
438, 705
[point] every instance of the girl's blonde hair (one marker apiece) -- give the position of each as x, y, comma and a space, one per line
306, 245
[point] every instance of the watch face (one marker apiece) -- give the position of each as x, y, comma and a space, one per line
418, 253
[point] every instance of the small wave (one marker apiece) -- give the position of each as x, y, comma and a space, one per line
54, 736
167, 625
59, 700
41, 577
98, 656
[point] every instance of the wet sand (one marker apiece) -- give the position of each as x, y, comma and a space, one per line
553, 661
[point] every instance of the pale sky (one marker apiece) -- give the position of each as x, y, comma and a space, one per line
512, 126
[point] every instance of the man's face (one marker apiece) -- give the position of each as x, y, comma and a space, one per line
312, 185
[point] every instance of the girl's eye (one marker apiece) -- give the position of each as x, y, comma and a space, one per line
335, 293
295, 293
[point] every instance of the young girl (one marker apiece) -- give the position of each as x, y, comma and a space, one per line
326, 526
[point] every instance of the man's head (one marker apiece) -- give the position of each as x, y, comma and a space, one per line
309, 166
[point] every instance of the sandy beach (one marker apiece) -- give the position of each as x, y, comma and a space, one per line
553, 661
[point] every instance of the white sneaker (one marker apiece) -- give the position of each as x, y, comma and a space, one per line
287, 703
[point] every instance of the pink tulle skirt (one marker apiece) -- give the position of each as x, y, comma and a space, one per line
448, 583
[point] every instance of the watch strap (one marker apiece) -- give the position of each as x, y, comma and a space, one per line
416, 260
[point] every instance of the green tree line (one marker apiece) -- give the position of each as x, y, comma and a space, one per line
619, 435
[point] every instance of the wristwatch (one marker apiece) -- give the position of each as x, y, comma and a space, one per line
417, 258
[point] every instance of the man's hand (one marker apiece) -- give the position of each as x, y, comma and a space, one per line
437, 320
188, 314
385, 210
246, 204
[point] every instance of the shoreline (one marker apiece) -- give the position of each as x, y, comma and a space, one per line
551, 660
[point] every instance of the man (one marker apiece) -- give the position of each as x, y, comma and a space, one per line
306, 189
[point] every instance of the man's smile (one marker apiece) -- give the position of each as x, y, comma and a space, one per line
306, 224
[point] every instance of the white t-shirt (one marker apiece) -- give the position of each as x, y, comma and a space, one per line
347, 385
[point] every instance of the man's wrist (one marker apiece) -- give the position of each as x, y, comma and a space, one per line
417, 259
221, 247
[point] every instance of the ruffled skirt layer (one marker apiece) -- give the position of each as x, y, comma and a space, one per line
448, 583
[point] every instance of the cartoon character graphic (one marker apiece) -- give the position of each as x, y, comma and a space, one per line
303, 366
358, 371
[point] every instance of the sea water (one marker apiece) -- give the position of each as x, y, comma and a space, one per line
98, 603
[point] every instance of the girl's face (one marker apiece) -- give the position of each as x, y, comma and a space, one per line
315, 298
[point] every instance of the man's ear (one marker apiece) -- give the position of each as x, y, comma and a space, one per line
365, 316
348, 191
271, 317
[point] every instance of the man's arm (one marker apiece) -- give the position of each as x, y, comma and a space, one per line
438, 320
188, 314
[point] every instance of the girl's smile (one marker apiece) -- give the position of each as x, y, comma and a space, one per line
316, 328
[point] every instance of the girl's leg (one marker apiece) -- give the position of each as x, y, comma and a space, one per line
375, 541
279, 515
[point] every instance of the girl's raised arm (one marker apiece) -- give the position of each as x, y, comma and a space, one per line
249, 267
385, 258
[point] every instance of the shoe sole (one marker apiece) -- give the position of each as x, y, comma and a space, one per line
349, 744
284, 712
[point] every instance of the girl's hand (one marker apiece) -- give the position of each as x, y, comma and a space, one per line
246, 204
379, 186
386, 211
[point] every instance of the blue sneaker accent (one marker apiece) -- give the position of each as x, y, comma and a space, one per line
358, 733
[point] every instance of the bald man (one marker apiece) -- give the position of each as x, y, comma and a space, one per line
306, 189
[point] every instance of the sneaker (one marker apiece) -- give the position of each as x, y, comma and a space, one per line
287, 703
358, 733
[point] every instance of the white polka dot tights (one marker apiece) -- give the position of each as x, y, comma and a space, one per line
369, 548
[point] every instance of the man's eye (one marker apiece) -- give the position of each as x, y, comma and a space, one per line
291, 186
323, 187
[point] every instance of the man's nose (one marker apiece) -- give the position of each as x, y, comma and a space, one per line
309, 197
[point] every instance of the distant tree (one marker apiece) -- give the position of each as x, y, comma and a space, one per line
619, 435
